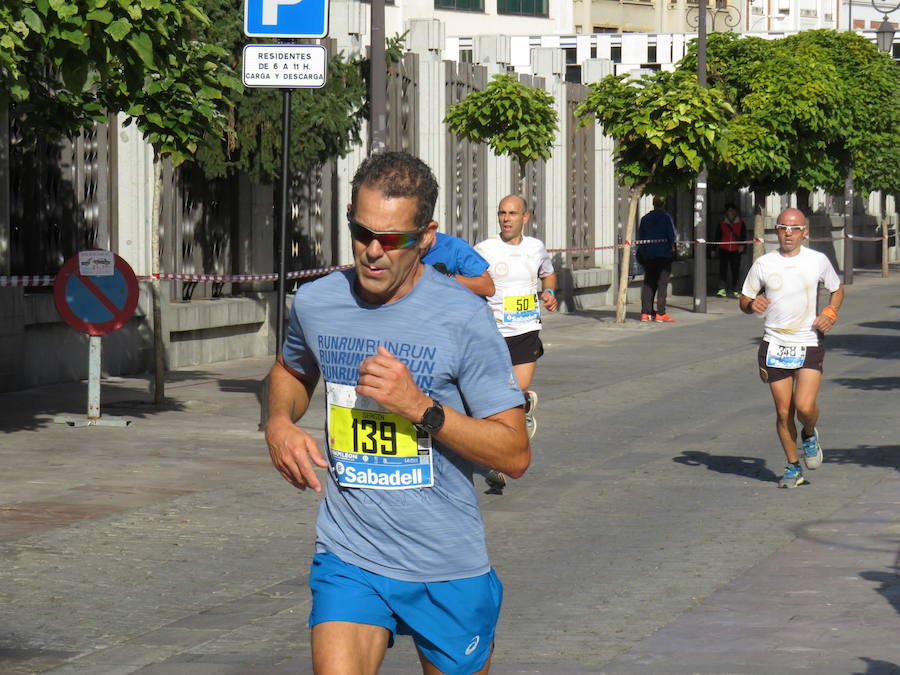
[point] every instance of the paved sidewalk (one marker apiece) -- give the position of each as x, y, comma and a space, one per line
648, 536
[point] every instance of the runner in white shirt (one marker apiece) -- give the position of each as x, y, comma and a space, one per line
524, 280
783, 286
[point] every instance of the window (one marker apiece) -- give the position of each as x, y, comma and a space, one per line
615, 54
651, 54
526, 7
573, 70
465, 5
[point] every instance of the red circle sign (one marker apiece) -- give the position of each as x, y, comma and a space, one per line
96, 292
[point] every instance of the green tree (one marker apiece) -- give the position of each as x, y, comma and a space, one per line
809, 109
325, 123
66, 64
511, 117
665, 127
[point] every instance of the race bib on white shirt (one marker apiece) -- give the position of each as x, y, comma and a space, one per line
372, 448
521, 308
788, 357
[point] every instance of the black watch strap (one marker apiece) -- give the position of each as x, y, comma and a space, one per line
432, 420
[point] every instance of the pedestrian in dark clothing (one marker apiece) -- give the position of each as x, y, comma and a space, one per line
656, 258
730, 230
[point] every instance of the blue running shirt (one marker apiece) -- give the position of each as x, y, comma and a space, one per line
447, 338
456, 254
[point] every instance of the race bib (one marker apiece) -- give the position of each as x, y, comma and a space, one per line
789, 357
372, 448
520, 308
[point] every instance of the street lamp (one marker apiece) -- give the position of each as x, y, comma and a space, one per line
884, 34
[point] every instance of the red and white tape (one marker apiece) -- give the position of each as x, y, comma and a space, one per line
47, 280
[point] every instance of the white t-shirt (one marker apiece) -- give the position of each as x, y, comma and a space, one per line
791, 284
516, 271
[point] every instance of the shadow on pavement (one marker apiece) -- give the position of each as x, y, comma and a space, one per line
878, 667
751, 467
883, 325
33, 409
866, 346
865, 455
869, 383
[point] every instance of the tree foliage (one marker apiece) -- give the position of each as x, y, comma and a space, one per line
325, 123
808, 107
511, 117
66, 63
664, 125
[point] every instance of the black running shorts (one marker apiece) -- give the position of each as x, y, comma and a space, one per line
815, 357
525, 348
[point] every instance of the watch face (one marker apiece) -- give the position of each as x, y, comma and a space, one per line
433, 418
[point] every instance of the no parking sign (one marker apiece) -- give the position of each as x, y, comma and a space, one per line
96, 292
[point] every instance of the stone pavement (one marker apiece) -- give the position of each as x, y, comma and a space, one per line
647, 537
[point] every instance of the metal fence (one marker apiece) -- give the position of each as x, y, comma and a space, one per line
579, 182
467, 209
402, 105
61, 199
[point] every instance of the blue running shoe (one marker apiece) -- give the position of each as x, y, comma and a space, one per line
812, 452
792, 477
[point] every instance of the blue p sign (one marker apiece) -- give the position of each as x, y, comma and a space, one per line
286, 18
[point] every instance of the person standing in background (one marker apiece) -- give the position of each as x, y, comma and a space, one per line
730, 230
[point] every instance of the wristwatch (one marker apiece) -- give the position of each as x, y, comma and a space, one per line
432, 420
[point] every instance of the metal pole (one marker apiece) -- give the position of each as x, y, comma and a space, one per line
94, 348
377, 80
282, 227
700, 188
848, 229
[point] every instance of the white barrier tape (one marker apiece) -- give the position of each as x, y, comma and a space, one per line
47, 280
27, 280
219, 278
315, 273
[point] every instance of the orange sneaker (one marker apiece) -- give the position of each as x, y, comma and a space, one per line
664, 318
646, 317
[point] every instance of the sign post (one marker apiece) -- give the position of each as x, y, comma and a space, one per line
96, 292
285, 66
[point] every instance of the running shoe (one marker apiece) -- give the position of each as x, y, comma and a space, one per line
793, 477
664, 318
735, 294
496, 481
646, 317
531, 399
530, 425
812, 452
722, 293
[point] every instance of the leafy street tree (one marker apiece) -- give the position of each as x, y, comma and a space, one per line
325, 122
665, 127
809, 110
511, 117
68, 63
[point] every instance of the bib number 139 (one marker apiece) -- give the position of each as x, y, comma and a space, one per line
373, 433
374, 437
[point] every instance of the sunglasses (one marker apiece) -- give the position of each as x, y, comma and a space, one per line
789, 228
389, 241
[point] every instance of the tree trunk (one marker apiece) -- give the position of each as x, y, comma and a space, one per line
622, 298
759, 223
159, 347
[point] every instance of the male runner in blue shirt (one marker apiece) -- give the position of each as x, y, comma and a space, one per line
419, 390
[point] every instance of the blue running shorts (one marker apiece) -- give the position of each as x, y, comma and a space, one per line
451, 622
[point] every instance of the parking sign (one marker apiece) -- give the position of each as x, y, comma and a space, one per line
286, 18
